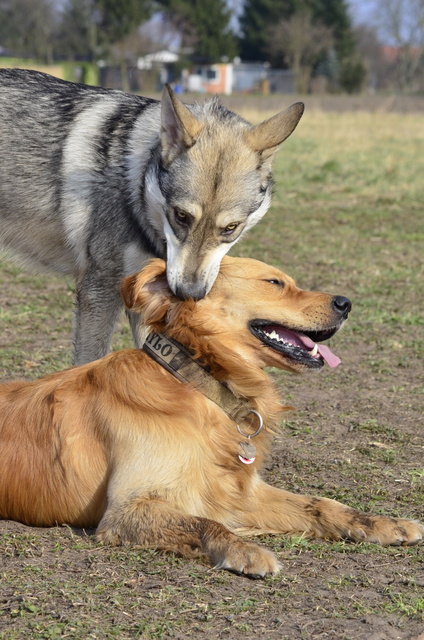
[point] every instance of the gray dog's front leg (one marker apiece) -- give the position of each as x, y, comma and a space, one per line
97, 307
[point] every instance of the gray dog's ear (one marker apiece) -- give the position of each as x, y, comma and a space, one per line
271, 133
179, 127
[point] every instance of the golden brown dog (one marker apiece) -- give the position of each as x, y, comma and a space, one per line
124, 445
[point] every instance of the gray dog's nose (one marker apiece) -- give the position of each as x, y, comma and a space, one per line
195, 291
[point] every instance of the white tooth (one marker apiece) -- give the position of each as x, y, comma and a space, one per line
314, 351
274, 335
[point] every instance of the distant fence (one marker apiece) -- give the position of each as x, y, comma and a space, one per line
248, 77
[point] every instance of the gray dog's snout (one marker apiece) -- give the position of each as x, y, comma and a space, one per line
194, 291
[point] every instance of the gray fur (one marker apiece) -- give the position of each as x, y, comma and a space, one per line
92, 182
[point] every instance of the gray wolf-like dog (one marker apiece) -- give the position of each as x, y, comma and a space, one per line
94, 182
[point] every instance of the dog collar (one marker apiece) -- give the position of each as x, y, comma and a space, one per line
177, 359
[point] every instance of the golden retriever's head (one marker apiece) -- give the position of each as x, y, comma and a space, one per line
253, 310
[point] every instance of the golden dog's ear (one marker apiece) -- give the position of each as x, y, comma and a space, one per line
148, 291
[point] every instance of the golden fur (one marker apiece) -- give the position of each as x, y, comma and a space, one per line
120, 444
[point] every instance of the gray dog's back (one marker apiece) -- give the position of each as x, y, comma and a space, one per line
37, 116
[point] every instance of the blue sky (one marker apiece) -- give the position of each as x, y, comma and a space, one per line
361, 10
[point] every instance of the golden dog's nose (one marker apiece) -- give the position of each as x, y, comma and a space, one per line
341, 305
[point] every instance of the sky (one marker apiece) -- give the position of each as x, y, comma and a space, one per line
361, 10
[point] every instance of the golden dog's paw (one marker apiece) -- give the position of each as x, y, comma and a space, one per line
383, 530
248, 559
108, 537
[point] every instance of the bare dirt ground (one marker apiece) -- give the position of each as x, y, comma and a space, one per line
348, 220
58, 583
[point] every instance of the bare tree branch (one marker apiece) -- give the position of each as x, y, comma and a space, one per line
300, 42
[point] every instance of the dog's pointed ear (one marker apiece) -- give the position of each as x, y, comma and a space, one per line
179, 127
271, 133
148, 291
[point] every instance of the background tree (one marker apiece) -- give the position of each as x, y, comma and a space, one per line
300, 43
370, 49
77, 30
261, 15
352, 74
116, 19
27, 27
94, 28
255, 21
204, 26
401, 24
157, 34
335, 14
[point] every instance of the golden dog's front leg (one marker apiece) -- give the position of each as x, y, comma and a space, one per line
153, 523
279, 511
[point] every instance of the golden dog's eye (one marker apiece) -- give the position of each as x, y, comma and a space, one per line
278, 283
230, 228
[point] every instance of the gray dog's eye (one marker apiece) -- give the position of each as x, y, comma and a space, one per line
181, 217
230, 228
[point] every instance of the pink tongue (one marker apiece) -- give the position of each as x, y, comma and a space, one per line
326, 354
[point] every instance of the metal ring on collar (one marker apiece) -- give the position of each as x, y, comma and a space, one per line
258, 430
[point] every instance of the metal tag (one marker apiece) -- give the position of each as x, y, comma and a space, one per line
247, 452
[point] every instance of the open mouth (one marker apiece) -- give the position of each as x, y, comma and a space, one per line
301, 347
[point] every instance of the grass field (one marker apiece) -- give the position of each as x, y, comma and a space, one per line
347, 218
